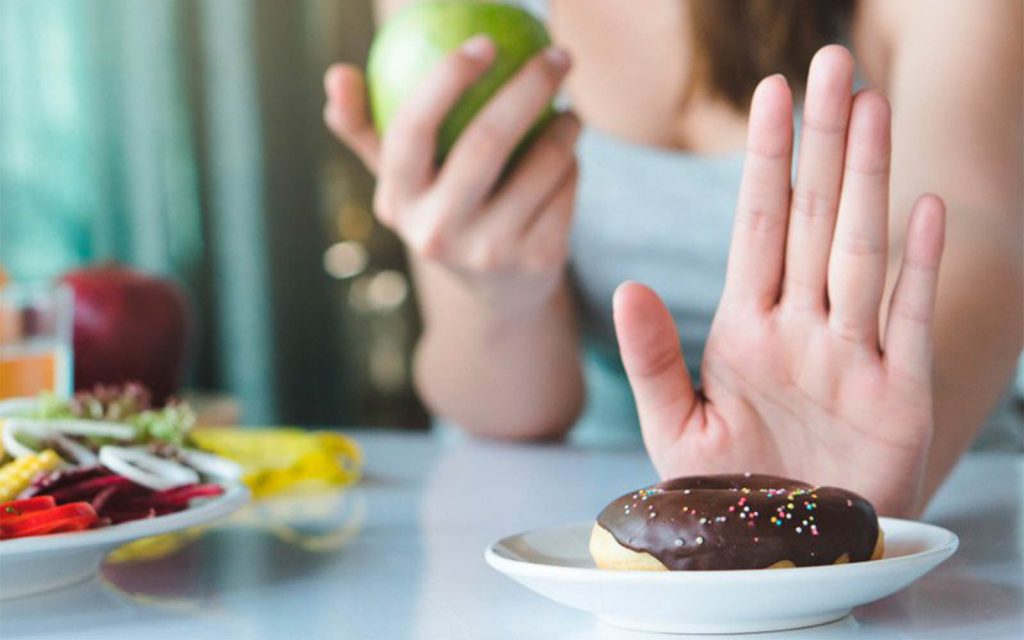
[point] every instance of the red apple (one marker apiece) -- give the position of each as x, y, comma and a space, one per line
129, 326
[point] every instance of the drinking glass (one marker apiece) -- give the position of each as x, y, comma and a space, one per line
35, 339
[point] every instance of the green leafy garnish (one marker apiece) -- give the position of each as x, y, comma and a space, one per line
129, 404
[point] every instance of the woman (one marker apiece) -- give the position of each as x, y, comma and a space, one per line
836, 354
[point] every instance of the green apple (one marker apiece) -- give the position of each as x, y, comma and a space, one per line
412, 43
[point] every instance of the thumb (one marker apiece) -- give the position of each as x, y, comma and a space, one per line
649, 346
347, 113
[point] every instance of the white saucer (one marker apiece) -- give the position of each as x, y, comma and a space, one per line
556, 564
41, 563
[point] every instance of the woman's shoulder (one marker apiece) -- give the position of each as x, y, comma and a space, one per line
881, 28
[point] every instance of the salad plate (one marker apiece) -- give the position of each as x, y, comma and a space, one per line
556, 563
41, 563
82, 475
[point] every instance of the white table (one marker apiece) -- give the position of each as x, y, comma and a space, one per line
401, 556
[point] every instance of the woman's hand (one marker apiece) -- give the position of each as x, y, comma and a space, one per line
796, 378
505, 239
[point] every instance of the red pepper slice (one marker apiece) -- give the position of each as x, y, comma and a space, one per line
15, 508
68, 517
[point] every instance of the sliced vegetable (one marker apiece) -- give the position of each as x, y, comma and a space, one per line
12, 446
68, 517
212, 465
86, 489
16, 476
41, 429
18, 507
104, 496
128, 515
145, 468
78, 453
178, 497
49, 482
17, 406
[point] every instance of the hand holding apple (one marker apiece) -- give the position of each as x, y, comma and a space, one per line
501, 234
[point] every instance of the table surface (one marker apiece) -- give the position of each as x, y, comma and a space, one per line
401, 556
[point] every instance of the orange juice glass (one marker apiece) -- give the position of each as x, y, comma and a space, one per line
35, 339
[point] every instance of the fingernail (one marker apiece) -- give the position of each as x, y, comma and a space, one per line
557, 58
478, 47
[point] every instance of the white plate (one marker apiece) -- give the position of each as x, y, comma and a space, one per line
41, 563
556, 564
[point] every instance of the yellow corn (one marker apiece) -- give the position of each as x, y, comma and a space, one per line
16, 476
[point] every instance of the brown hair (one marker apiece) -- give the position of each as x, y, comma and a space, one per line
738, 42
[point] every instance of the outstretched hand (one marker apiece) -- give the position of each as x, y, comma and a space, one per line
797, 379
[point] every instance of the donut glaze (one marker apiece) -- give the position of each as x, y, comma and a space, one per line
743, 521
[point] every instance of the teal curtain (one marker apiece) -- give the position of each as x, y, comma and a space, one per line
184, 137
96, 146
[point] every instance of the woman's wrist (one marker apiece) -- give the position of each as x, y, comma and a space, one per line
493, 303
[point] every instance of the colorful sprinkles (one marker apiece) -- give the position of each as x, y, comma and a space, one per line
783, 513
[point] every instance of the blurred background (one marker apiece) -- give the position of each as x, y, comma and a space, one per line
185, 137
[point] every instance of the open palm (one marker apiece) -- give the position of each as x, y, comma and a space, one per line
795, 379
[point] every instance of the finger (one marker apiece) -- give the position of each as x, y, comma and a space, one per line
857, 262
498, 240
346, 113
908, 335
484, 147
819, 178
759, 231
649, 346
410, 143
534, 179
545, 242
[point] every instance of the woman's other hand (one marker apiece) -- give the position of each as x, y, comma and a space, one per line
505, 238
797, 378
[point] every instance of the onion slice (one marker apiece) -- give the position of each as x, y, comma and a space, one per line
95, 428
212, 465
17, 406
145, 468
41, 428
83, 457
11, 444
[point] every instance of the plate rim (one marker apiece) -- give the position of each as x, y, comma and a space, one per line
525, 568
235, 495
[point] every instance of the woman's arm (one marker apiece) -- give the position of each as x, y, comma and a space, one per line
498, 374
952, 71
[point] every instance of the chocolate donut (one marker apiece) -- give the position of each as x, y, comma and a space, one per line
742, 521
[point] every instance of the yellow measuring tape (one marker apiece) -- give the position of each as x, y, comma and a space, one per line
275, 460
